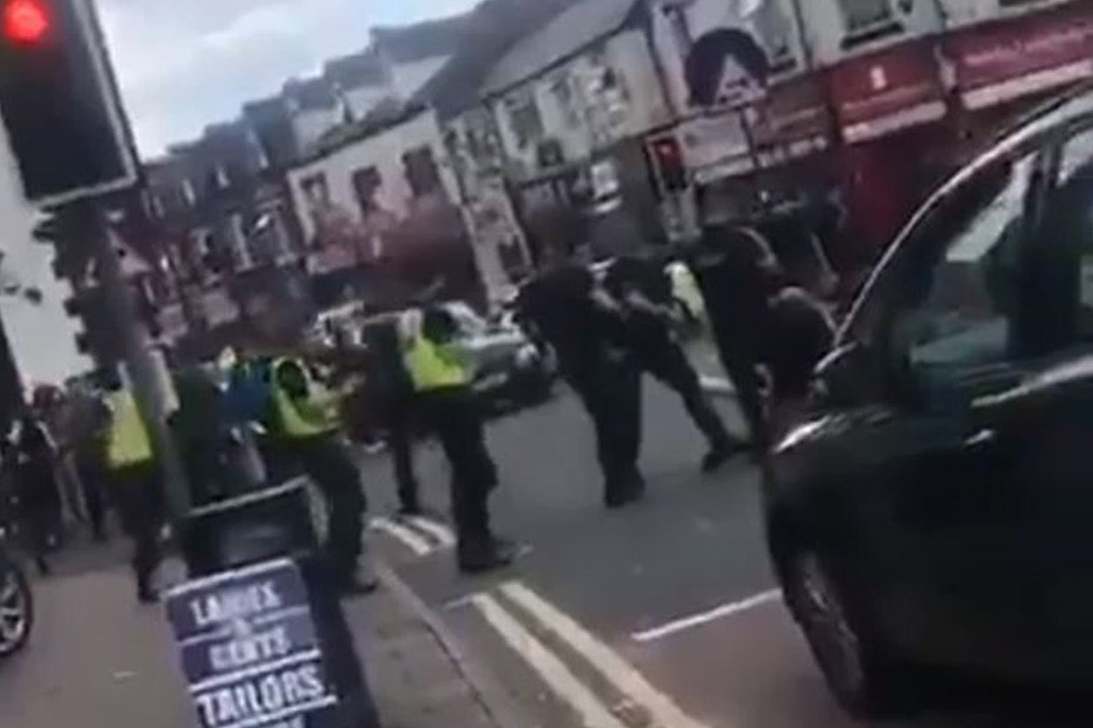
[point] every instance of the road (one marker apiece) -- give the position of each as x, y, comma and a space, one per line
661, 614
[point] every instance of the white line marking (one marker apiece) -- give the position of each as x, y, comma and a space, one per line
412, 541
593, 713
695, 620
606, 661
439, 531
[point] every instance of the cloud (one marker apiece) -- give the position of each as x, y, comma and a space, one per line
184, 65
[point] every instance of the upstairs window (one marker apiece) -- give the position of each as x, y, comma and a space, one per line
868, 20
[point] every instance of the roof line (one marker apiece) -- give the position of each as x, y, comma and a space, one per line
322, 153
565, 58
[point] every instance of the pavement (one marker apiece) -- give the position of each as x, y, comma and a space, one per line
662, 615
99, 660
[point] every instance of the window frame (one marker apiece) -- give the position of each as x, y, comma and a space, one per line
858, 34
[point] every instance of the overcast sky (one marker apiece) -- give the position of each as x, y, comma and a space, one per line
184, 64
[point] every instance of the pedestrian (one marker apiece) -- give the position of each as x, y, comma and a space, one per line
737, 273
135, 482
564, 307
390, 396
645, 291
802, 333
306, 427
37, 488
442, 384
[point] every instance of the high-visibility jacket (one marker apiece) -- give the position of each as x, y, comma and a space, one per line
128, 441
434, 366
298, 418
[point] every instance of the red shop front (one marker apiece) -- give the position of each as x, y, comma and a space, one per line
887, 107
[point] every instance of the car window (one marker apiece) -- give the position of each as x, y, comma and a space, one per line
962, 311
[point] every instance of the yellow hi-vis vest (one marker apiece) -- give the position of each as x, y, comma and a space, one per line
128, 443
434, 366
316, 415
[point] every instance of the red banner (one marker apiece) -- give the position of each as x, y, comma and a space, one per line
1003, 61
884, 92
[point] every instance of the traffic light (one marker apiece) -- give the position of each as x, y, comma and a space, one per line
671, 170
59, 102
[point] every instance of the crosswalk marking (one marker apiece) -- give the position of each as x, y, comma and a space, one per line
440, 532
627, 680
411, 540
556, 675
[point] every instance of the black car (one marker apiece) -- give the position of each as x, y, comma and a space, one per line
933, 514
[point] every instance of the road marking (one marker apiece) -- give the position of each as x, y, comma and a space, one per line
439, 531
593, 713
412, 541
606, 661
695, 620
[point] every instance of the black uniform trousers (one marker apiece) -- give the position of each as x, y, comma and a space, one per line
740, 357
453, 415
666, 360
139, 498
399, 420
611, 393
327, 461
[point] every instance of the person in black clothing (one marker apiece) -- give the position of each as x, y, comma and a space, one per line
36, 484
737, 273
391, 395
646, 294
585, 329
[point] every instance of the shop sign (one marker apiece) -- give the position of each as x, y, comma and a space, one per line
1004, 61
886, 92
250, 649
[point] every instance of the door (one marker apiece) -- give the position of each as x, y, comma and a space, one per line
946, 514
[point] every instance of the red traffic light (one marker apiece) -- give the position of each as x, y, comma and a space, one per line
667, 149
25, 21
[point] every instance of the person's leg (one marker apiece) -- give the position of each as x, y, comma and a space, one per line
400, 440
675, 371
91, 484
629, 423
742, 372
330, 466
132, 492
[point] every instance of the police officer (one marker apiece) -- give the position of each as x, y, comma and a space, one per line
307, 429
584, 326
737, 273
645, 292
135, 483
444, 398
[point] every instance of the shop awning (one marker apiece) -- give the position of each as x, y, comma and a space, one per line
886, 92
1003, 61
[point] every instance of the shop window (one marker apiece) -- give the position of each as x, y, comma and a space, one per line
421, 171
316, 190
524, 118
868, 20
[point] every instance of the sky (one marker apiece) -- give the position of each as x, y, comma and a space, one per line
182, 65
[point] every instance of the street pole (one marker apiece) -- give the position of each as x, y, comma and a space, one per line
140, 362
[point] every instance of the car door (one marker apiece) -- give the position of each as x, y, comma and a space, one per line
941, 509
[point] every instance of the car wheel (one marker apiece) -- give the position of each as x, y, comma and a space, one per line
864, 682
16, 609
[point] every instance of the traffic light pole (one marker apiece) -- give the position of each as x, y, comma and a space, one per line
141, 364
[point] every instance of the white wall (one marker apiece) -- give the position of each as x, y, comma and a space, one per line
407, 78
967, 12
826, 29
384, 152
42, 337
630, 57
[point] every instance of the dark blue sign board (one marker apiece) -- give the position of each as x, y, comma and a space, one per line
250, 649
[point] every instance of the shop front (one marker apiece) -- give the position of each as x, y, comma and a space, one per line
887, 107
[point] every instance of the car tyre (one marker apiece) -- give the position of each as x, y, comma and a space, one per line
864, 680
16, 609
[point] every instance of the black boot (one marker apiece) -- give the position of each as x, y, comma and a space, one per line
486, 554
